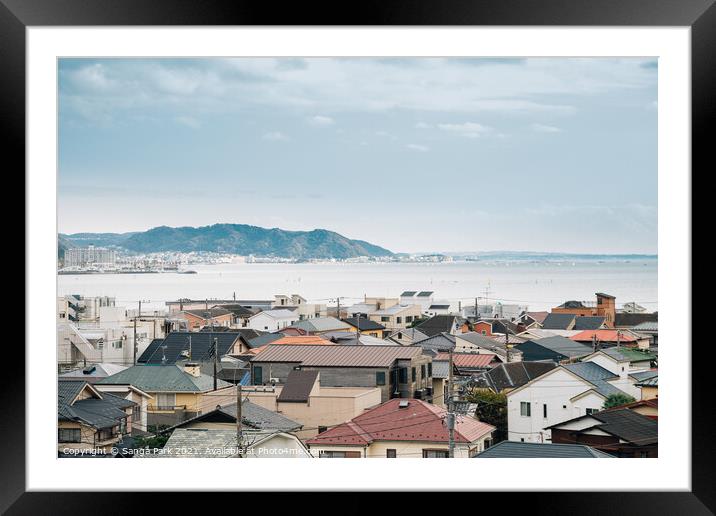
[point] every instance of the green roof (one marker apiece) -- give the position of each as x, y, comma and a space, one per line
163, 378
632, 355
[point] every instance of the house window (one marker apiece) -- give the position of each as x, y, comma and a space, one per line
380, 378
258, 375
590, 411
413, 373
484, 332
322, 429
164, 400
403, 375
435, 454
525, 409
430, 369
385, 319
390, 453
422, 371
68, 435
409, 318
544, 410
339, 455
398, 320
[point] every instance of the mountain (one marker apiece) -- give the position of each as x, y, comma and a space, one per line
238, 239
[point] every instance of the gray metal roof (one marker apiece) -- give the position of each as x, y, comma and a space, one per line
596, 375
520, 450
565, 346
321, 324
163, 378
650, 326
558, 321
441, 342
252, 415
441, 369
337, 356
588, 322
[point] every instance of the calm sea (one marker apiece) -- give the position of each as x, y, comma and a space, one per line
540, 285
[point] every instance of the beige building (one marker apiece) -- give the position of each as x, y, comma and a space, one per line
303, 399
402, 428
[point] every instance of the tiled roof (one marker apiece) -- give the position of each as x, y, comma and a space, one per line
588, 322
363, 323
558, 321
510, 375
177, 345
264, 339
252, 415
628, 354
440, 342
417, 421
163, 378
298, 386
437, 324
649, 382
103, 410
564, 346
627, 320
596, 375
538, 316
467, 360
337, 356
624, 423
206, 443
207, 314
649, 326
520, 450
278, 313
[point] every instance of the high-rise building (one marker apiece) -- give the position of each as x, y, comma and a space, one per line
91, 255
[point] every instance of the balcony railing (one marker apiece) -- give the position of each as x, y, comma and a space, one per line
165, 408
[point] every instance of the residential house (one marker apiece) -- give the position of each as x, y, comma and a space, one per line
210, 443
367, 327
649, 387
141, 399
89, 419
437, 343
396, 316
628, 320
649, 330
532, 319
565, 392
534, 333
569, 321
240, 314
407, 336
399, 371
178, 392
422, 298
520, 450
302, 398
557, 349
321, 325
193, 346
645, 407
300, 306
198, 304
620, 432
273, 320
197, 319
474, 342
506, 377
468, 364
349, 338
401, 428
438, 308
605, 306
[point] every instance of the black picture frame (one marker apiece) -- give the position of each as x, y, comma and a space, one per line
699, 15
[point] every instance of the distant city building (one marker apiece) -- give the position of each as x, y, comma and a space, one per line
84, 256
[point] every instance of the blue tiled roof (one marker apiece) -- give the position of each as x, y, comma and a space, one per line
596, 375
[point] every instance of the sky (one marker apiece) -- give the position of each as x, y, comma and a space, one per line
412, 154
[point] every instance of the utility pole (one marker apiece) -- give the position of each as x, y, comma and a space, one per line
134, 340
451, 411
216, 360
476, 309
338, 310
619, 333
239, 435
189, 348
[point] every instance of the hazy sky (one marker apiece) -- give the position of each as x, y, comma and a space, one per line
410, 154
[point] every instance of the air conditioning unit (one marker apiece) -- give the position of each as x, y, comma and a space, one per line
274, 380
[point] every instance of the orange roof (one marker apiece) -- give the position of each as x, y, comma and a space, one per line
604, 336
302, 339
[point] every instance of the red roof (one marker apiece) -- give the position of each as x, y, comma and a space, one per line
467, 359
419, 421
604, 336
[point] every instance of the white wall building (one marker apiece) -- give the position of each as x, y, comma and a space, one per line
566, 392
272, 320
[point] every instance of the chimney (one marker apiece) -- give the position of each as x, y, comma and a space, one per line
193, 369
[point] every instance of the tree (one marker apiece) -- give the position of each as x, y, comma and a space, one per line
491, 409
617, 400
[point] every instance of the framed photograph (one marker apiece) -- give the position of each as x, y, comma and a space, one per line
429, 231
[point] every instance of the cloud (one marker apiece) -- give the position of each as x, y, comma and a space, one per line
542, 128
188, 121
329, 85
422, 125
418, 148
321, 121
275, 136
467, 129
